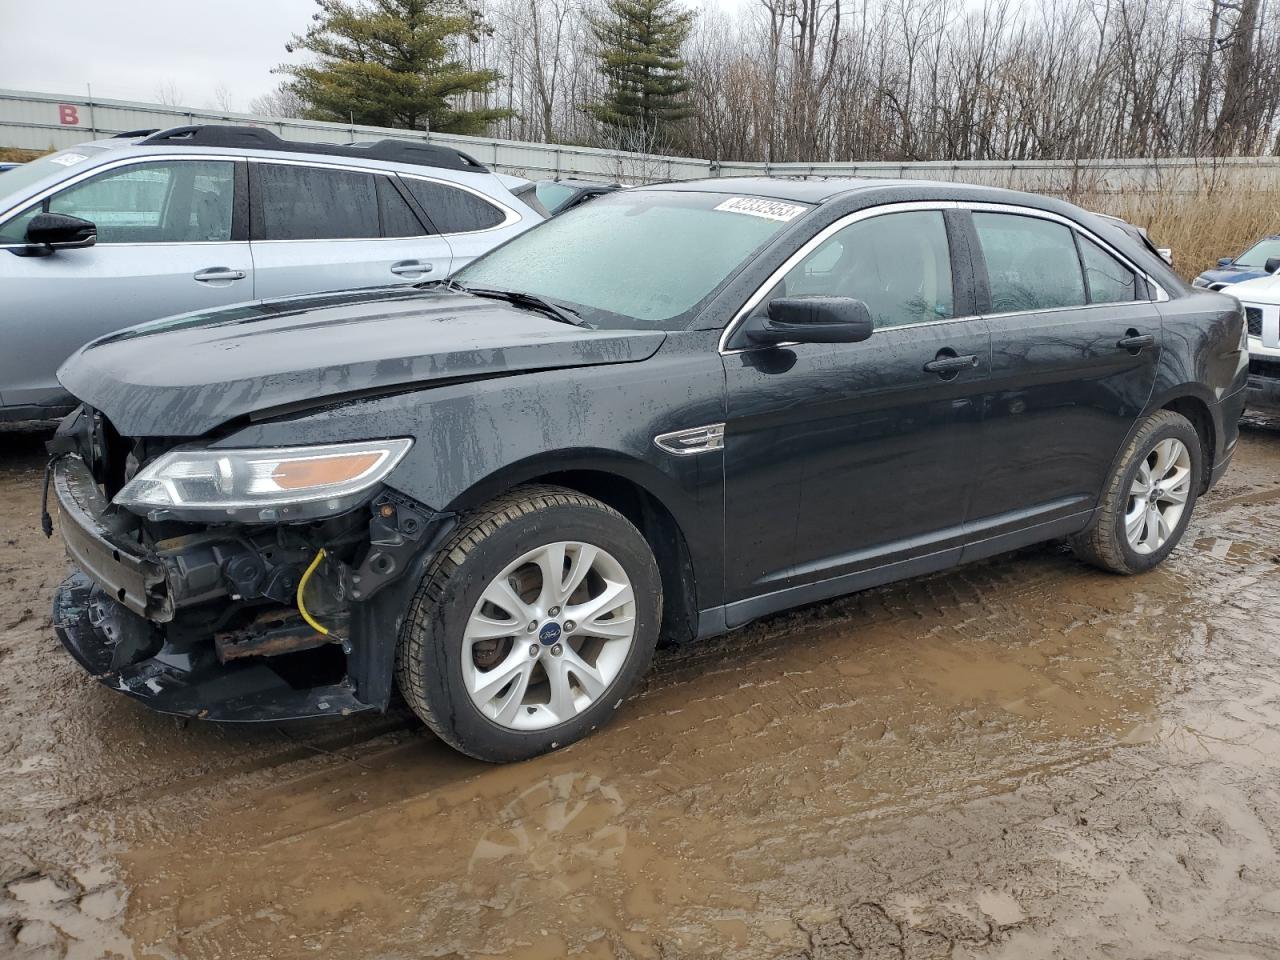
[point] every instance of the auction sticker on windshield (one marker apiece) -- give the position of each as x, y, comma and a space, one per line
756, 207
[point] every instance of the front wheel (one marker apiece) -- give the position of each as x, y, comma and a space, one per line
531, 624
1149, 497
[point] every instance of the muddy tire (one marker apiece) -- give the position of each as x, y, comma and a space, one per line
491, 656
1149, 497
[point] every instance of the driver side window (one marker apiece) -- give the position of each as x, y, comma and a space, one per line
899, 264
181, 201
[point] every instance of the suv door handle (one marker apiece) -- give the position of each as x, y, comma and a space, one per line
1133, 341
944, 364
409, 268
217, 273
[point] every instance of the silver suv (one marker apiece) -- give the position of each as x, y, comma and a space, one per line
153, 223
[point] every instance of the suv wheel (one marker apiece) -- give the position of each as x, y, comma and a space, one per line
531, 624
1149, 497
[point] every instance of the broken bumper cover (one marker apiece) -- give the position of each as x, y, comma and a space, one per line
111, 613
183, 681
137, 582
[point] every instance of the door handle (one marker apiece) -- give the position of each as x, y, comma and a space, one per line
950, 364
1134, 342
409, 268
218, 273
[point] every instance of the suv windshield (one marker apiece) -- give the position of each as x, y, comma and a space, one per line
636, 259
1259, 253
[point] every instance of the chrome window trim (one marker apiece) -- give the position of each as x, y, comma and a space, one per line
104, 167
1020, 211
512, 216
815, 241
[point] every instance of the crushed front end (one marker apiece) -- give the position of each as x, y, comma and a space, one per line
235, 585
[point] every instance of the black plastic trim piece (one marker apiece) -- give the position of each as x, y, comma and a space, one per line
259, 138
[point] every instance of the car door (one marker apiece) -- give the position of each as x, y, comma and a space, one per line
1075, 341
848, 464
319, 227
172, 237
473, 222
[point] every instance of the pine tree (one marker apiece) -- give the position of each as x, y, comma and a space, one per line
391, 63
640, 43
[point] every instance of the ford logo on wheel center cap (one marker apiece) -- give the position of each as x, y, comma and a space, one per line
549, 634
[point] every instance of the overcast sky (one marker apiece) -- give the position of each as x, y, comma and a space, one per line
130, 49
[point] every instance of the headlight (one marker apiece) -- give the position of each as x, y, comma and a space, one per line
1200, 283
275, 483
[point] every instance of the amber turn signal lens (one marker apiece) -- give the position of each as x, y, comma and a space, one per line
322, 471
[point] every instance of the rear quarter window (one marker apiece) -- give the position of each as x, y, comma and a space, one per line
453, 210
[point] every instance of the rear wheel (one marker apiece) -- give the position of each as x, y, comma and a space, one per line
1149, 497
531, 624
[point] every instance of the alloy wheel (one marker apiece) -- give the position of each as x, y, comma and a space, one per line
549, 635
1158, 496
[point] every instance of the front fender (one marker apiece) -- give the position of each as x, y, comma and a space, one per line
476, 439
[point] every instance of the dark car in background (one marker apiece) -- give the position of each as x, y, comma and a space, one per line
1250, 265
565, 194
666, 413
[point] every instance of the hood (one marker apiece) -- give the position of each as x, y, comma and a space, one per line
1263, 289
184, 376
1232, 274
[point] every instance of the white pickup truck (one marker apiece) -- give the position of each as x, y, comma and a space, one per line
1261, 300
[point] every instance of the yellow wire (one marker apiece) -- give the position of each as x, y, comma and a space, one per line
302, 585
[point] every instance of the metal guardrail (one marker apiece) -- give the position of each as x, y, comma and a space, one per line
42, 121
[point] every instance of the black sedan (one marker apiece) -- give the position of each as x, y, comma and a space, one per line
662, 415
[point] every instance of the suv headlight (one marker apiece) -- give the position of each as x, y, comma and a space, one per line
1200, 283
273, 483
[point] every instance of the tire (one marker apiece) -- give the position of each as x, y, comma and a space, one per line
445, 672
1107, 543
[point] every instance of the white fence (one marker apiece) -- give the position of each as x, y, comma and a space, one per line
40, 121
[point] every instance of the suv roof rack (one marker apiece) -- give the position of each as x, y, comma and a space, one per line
259, 138
131, 134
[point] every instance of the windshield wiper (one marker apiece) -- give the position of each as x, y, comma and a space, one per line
531, 300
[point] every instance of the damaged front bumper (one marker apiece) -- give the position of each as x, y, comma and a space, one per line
200, 625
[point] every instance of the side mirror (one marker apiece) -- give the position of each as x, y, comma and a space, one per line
1272, 264
812, 320
1225, 262
57, 231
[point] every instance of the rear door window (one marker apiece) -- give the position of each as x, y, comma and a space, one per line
177, 201
296, 202
452, 209
1032, 263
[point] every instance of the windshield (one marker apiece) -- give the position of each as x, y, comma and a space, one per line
1259, 253
24, 175
643, 259
554, 195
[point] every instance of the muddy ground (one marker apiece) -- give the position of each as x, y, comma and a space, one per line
1022, 758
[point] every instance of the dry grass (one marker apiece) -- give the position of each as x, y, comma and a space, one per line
1199, 228
14, 155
